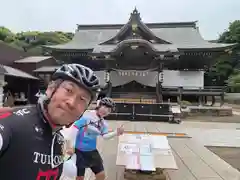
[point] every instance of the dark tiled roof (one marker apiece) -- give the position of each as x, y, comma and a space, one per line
33, 59
181, 35
9, 54
47, 69
2, 70
9, 71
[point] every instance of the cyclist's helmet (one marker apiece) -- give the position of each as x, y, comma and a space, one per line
108, 102
83, 76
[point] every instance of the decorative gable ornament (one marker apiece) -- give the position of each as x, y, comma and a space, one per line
134, 27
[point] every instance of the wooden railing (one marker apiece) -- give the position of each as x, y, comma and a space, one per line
147, 95
134, 97
134, 100
193, 89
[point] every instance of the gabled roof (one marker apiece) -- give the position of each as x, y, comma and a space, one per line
183, 35
134, 25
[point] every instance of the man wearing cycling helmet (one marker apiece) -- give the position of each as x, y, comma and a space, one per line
86, 138
30, 141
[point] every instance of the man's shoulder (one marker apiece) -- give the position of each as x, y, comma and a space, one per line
24, 111
17, 112
87, 116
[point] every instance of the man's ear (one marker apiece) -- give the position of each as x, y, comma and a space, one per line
50, 88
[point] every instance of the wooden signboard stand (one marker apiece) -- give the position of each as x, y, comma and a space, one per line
145, 157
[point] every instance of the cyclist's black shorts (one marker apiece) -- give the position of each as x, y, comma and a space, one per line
88, 159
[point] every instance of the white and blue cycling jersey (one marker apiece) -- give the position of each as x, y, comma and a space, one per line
86, 139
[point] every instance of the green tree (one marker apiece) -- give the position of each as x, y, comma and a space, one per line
233, 36
224, 70
33, 40
6, 34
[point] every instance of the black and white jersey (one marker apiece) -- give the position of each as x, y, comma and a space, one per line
29, 150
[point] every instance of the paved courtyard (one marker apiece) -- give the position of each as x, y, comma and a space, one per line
195, 162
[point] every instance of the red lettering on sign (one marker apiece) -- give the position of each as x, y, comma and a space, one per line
47, 175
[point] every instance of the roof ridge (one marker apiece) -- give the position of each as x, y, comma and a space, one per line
149, 25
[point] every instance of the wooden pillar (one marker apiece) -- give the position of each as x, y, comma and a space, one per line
213, 100
205, 100
159, 83
222, 96
2, 84
200, 101
180, 91
222, 100
107, 78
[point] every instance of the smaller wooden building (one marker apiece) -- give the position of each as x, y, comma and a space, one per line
21, 87
29, 64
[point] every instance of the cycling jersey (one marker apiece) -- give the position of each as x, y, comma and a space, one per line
29, 147
86, 139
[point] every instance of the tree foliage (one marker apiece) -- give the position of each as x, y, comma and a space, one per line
33, 40
226, 69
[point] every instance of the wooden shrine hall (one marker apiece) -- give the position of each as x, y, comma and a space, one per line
144, 65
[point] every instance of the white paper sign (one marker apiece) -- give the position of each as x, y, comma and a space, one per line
160, 142
129, 148
165, 152
147, 163
133, 162
145, 149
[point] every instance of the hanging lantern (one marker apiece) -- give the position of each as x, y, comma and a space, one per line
107, 76
161, 56
160, 77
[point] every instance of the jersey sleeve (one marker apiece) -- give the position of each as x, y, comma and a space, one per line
104, 129
80, 123
5, 131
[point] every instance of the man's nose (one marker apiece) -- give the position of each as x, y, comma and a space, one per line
71, 102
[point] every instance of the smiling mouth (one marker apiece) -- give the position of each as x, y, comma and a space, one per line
63, 110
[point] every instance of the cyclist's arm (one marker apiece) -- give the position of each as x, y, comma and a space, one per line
106, 134
109, 135
74, 130
72, 134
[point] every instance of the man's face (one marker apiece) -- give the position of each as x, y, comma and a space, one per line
68, 102
104, 111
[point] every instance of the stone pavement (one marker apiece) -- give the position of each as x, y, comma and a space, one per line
194, 160
207, 133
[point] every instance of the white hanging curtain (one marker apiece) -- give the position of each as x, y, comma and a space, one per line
121, 77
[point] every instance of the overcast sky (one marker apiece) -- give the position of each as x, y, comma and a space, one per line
213, 16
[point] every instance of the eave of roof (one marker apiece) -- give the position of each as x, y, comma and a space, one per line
33, 59
47, 69
9, 71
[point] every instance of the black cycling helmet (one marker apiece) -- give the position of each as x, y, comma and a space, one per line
108, 102
83, 76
